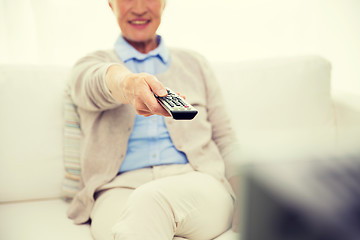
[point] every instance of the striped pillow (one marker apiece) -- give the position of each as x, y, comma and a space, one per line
71, 147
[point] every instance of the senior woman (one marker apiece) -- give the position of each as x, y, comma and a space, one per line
144, 174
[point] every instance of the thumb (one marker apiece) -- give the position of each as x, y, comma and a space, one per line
157, 87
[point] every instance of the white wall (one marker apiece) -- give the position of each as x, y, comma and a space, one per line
59, 32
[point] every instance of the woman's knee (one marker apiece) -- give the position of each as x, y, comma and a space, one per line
149, 195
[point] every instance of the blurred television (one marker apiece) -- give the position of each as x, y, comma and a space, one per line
317, 199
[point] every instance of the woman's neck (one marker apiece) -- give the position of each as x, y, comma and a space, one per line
145, 46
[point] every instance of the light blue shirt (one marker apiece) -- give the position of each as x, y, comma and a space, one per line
149, 143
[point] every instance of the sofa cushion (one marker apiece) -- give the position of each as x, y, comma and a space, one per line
31, 131
277, 93
281, 107
43, 220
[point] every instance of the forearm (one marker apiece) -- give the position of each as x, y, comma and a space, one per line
88, 87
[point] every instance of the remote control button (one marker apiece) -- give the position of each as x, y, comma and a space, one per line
169, 102
181, 101
176, 103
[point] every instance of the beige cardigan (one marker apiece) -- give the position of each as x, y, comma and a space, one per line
208, 140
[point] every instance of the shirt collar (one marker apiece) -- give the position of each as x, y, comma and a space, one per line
126, 52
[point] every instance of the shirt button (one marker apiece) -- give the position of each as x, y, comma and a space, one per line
154, 155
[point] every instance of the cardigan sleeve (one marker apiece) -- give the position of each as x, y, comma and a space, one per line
223, 133
87, 85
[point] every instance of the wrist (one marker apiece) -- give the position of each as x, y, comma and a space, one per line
114, 79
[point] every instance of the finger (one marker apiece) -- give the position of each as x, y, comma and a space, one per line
147, 104
156, 86
159, 110
166, 114
140, 106
153, 85
153, 105
144, 113
147, 113
181, 95
142, 109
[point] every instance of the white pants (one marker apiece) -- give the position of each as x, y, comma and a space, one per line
161, 203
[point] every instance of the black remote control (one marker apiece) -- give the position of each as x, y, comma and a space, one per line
177, 106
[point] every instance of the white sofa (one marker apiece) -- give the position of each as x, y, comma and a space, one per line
281, 109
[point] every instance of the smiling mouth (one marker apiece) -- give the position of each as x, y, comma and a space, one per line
139, 22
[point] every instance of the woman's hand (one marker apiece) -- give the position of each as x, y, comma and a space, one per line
136, 89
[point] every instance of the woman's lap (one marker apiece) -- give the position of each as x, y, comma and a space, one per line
192, 205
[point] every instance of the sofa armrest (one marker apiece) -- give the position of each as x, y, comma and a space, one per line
347, 113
